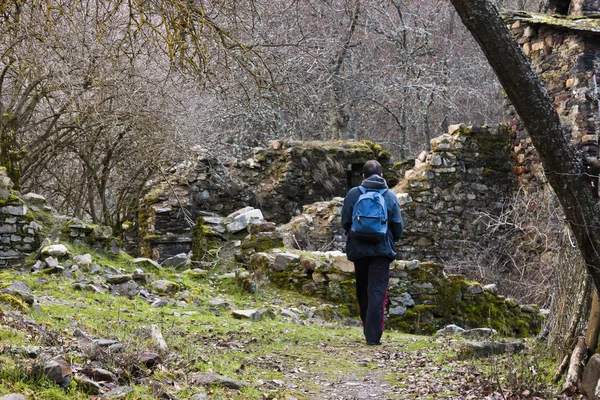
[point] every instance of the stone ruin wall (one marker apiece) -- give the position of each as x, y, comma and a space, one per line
466, 172
279, 180
565, 54
19, 232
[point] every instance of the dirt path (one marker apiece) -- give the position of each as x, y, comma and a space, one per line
390, 373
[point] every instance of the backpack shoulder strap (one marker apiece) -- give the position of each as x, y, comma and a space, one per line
362, 189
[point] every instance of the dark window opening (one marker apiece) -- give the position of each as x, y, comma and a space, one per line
559, 7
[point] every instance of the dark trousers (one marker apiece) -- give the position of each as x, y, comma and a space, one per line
372, 279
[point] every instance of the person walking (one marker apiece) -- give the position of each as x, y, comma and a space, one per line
373, 223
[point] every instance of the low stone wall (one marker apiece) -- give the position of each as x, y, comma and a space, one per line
19, 232
99, 236
422, 299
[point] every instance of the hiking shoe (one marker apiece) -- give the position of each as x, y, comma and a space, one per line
378, 343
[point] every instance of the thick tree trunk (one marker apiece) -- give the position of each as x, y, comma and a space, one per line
563, 167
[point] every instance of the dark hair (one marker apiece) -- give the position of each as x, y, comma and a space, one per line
372, 167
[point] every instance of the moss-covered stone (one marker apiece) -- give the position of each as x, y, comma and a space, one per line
14, 302
204, 242
456, 300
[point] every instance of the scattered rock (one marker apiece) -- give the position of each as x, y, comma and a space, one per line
246, 314
159, 303
449, 330
219, 303
83, 260
140, 276
478, 333
27, 351
196, 273
229, 275
20, 290
149, 359
209, 378
120, 278
179, 261
118, 393
165, 286
39, 265
146, 263
485, 349
241, 220
56, 370
254, 315
51, 262
153, 334
55, 250
17, 286
591, 376
129, 289
102, 375
14, 396
291, 314
88, 386
116, 348
105, 342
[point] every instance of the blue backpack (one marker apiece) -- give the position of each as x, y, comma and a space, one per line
369, 218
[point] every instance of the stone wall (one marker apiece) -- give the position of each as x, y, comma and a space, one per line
422, 299
466, 172
278, 180
565, 52
282, 178
19, 232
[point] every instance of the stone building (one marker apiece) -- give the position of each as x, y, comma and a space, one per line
565, 52
279, 180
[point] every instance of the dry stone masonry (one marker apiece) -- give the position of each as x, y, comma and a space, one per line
565, 52
422, 299
467, 171
19, 232
278, 180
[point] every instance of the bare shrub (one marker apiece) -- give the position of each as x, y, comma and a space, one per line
522, 249
530, 253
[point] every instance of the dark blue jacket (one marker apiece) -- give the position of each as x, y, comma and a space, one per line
356, 249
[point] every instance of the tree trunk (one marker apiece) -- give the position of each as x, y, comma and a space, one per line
575, 366
563, 167
593, 328
10, 157
339, 114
